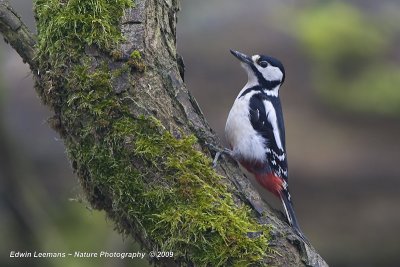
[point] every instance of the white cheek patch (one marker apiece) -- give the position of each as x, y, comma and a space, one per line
270, 73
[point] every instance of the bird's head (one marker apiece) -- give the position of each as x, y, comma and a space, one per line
265, 71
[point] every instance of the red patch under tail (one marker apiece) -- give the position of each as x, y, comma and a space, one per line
271, 182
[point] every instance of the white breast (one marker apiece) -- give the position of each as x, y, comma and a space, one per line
243, 139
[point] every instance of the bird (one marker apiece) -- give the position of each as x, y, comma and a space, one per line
255, 129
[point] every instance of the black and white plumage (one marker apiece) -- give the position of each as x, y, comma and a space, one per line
255, 129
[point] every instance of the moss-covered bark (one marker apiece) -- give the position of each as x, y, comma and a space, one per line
109, 71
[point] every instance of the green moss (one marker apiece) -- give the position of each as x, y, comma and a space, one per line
147, 180
120, 71
136, 61
116, 54
190, 212
66, 27
136, 55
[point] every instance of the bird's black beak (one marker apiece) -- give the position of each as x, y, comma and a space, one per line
242, 57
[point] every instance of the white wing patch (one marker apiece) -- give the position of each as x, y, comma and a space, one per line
271, 116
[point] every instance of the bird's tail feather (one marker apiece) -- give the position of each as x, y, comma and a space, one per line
290, 215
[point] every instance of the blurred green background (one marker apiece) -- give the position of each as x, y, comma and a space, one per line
341, 102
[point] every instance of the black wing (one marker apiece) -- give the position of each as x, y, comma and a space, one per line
261, 121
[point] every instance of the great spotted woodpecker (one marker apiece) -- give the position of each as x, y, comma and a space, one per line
255, 130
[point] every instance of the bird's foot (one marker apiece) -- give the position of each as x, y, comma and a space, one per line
218, 152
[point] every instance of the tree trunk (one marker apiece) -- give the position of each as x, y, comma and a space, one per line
136, 137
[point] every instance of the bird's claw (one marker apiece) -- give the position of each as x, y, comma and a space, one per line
215, 161
219, 151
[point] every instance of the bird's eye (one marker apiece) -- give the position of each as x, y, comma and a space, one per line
263, 64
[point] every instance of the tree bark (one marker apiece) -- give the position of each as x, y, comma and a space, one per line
17, 34
145, 74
